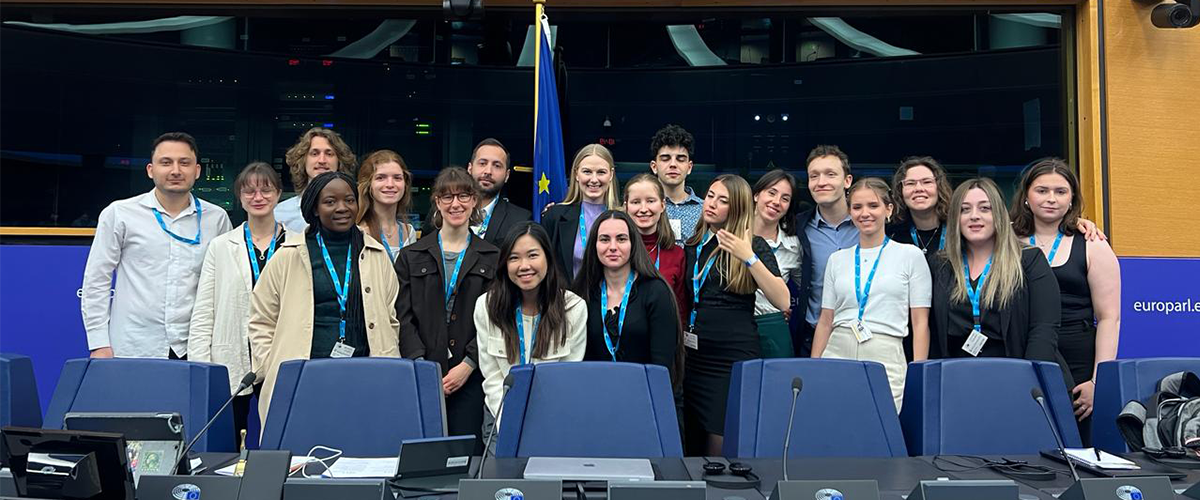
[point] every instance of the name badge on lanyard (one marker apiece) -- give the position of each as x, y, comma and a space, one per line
613, 347
690, 339
863, 293
976, 339
199, 228
342, 289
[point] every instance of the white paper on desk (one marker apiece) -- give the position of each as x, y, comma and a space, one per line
346, 467
228, 471
1107, 460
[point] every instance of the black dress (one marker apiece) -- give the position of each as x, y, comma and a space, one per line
727, 334
1077, 332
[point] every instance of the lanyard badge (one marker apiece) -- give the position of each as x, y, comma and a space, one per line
342, 290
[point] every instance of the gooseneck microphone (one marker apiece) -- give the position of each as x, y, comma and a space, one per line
247, 380
1038, 396
797, 385
508, 383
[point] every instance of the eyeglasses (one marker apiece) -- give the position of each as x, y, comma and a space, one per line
266, 192
926, 182
449, 198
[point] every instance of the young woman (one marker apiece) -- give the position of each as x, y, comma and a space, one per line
592, 190
631, 311
873, 290
645, 203
1045, 211
991, 297
383, 181
329, 292
441, 276
775, 222
232, 265
726, 265
526, 316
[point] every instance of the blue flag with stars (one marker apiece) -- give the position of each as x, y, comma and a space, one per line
549, 162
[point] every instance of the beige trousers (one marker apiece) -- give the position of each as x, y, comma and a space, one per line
884, 349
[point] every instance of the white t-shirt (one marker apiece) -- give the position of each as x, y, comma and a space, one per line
901, 282
787, 255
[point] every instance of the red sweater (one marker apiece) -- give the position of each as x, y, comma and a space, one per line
671, 264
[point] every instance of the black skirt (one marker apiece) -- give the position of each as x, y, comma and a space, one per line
726, 336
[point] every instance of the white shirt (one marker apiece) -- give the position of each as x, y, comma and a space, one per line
902, 281
288, 213
151, 306
486, 212
787, 255
493, 360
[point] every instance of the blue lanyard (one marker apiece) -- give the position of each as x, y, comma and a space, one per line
491, 209
342, 289
912, 231
861, 292
698, 279
612, 348
973, 293
250, 248
1053, 249
453, 283
583, 229
657, 257
387, 247
163, 225
521, 334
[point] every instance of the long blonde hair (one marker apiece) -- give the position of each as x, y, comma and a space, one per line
1006, 275
612, 200
740, 222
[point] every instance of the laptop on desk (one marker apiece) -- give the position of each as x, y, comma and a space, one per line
589, 469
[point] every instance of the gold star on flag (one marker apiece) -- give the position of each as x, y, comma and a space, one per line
543, 184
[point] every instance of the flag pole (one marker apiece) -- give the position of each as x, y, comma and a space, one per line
538, 8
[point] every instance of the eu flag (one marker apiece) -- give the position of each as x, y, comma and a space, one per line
549, 163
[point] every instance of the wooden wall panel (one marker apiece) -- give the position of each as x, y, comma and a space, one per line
1153, 78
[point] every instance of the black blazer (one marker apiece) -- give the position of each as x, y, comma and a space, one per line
421, 304
1029, 325
651, 333
562, 223
505, 216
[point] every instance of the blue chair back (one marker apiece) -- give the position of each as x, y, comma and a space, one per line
194, 390
19, 404
589, 409
983, 407
362, 406
844, 410
1122, 380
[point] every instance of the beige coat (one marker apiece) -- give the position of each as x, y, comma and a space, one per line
218, 332
281, 312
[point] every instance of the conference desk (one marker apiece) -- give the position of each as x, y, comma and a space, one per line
896, 476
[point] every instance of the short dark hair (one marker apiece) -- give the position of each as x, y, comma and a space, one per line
183, 137
824, 150
671, 136
256, 172
492, 142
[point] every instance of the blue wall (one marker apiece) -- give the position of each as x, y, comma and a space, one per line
39, 308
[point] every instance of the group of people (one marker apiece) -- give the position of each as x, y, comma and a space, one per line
647, 272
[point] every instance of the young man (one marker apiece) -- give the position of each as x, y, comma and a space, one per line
156, 243
319, 150
822, 231
489, 167
671, 160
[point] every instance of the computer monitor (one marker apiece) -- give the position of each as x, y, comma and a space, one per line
48, 463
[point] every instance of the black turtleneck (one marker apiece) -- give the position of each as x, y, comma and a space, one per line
326, 310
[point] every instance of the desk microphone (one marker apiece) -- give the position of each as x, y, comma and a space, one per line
508, 383
797, 385
1041, 401
246, 382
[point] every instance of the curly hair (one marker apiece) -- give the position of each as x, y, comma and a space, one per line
671, 136
296, 154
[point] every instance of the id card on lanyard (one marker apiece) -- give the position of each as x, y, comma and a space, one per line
863, 293
975, 341
342, 289
521, 353
613, 347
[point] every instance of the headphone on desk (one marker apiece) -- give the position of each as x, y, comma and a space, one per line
746, 478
